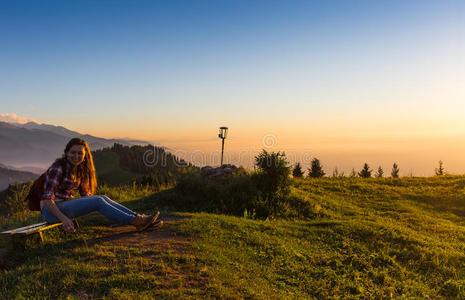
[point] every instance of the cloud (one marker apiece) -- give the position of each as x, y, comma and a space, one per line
14, 118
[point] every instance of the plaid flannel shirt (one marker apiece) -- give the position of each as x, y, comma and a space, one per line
59, 184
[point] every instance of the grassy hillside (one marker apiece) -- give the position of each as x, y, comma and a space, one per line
376, 238
371, 238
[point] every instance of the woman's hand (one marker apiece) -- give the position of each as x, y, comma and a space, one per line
68, 225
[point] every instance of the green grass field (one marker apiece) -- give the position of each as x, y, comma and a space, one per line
370, 238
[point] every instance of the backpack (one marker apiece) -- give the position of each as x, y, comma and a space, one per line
35, 193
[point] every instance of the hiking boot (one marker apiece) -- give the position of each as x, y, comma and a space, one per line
157, 214
143, 222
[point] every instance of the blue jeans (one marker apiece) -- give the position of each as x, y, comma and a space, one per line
81, 206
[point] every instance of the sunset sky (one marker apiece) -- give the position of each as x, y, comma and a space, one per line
346, 81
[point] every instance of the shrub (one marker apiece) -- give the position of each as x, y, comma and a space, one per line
260, 194
273, 178
229, 195
237, 195
14, 198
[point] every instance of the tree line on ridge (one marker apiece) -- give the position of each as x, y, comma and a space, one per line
316, 171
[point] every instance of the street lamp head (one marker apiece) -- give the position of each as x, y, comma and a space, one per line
223, 132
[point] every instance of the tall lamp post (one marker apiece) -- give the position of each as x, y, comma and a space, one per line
222, 135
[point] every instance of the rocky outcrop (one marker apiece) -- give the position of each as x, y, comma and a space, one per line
223, 171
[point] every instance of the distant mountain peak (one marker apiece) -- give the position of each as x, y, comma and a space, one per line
30, 122
34, 144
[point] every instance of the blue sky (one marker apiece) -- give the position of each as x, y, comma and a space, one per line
309, 72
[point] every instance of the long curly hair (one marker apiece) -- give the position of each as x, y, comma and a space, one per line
85, 171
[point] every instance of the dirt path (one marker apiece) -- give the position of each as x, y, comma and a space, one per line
163, 237
179, 270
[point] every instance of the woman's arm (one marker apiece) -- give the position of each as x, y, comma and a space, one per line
67, 223
53, 178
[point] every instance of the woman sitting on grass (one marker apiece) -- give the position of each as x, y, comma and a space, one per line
76, 170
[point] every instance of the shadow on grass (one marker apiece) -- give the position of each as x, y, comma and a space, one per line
94, 230
166, 201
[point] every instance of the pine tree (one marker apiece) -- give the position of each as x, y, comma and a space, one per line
380, 172
365, 172
395, 171
316, 169
439, 171
297, 171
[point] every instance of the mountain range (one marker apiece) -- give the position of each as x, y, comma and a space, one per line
33, 147
10, 176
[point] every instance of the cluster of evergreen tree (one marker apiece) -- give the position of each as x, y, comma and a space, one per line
147, 159
316, 171
367, 172
158, 166
156, 180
